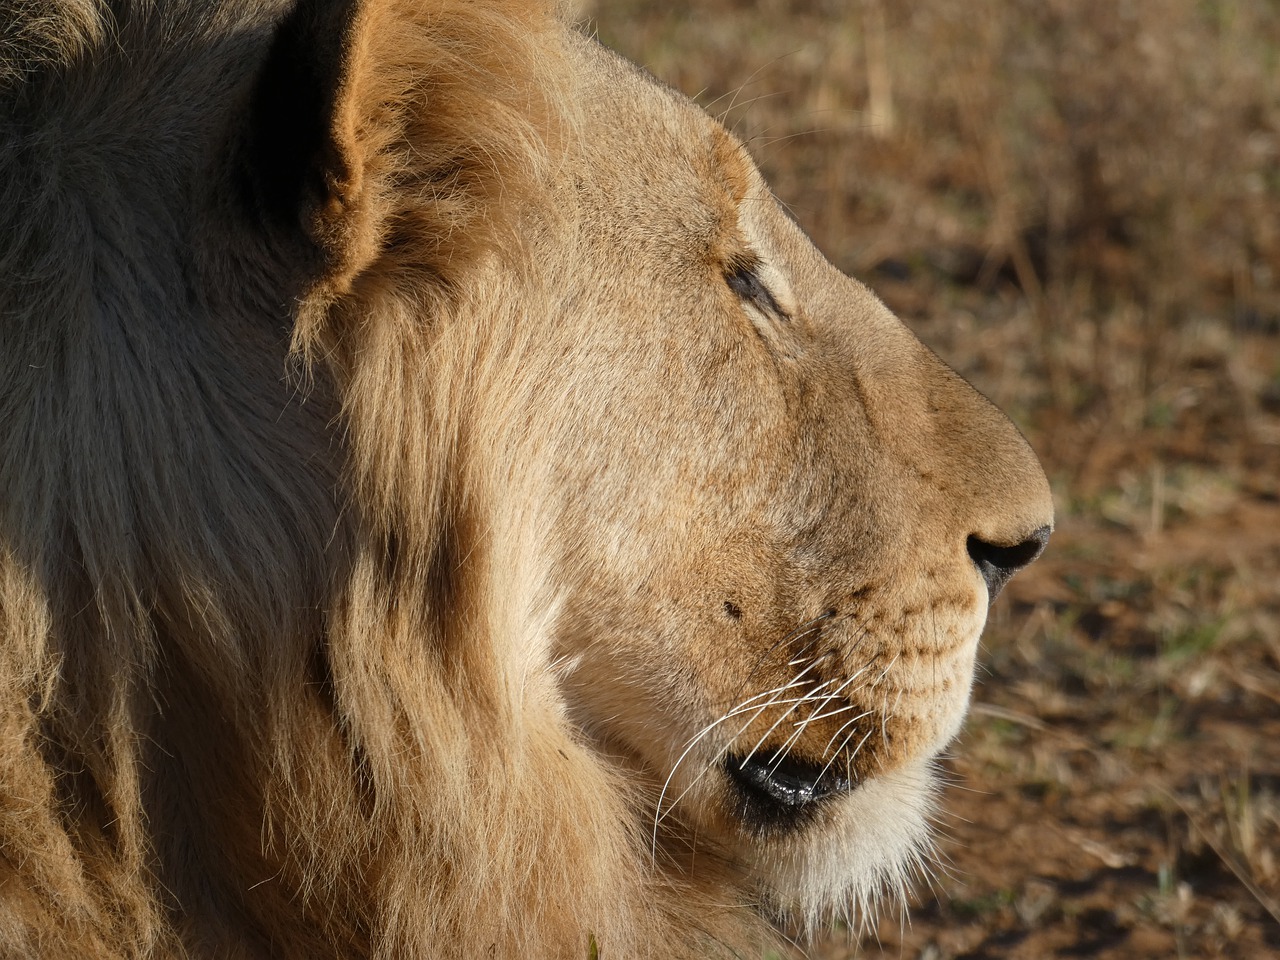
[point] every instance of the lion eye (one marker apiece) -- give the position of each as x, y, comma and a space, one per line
745, 282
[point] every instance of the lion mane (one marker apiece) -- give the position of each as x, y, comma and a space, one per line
312, 640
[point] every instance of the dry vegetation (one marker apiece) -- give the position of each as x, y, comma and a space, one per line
1077, 203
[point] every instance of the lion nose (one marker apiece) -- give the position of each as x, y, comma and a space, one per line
998, 564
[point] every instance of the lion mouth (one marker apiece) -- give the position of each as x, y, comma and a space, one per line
777, 790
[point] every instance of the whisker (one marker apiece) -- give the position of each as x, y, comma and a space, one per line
697, 738
740, 709
884, 718
802, 725
853, 754
783, 750
803, 630
819, 696
764, 736
844, 726
861, 632
824, 716
849, 760
858, 748
659, 816
711, 764
831, 696
885, 672
799, 660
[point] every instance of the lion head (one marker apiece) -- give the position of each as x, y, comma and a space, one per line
451, 509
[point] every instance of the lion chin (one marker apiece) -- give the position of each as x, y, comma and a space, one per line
449, 508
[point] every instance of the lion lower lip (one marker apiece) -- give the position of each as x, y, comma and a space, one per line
775, 787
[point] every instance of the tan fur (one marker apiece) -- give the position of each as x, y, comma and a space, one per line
389, 571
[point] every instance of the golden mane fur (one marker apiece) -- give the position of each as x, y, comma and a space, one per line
305, 600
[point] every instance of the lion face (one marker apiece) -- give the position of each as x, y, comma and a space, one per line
776, 519
608, 578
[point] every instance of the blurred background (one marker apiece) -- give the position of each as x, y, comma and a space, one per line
1077, 204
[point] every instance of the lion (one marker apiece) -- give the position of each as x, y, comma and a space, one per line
450, 509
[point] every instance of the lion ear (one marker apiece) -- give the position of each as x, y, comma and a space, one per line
306, 160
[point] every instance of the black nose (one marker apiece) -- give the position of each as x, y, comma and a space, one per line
998, 564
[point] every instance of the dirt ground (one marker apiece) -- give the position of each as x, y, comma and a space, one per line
1077, 204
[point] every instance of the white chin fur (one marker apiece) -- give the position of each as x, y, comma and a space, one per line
875, 848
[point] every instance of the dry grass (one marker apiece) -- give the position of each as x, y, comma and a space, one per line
1077, 203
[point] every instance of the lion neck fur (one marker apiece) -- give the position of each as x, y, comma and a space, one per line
252, 703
